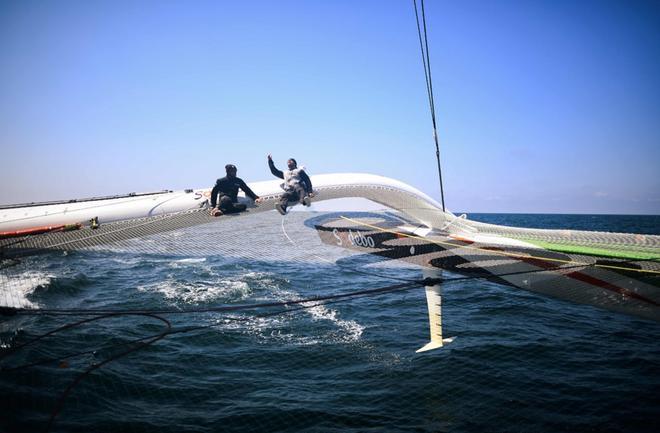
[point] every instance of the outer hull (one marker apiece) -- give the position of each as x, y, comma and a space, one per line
622, 285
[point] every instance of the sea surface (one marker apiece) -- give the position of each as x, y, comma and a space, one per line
520, 362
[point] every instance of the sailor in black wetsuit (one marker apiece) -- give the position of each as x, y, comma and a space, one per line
297, 185
226, 189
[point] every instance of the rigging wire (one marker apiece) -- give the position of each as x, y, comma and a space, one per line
426, 61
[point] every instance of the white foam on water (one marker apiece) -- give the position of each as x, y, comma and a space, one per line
15, 289
187, 262
199, 292
252, 285
191, 260
263, 280
279, 328
294, 339
131, 261
268, 330
350, 330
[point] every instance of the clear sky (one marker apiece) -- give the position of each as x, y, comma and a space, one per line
543, 106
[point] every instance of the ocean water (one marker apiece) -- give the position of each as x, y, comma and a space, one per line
520, 362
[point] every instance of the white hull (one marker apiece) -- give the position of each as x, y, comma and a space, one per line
386, 191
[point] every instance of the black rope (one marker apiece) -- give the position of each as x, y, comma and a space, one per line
410, 284
300, 305
424, 47
303, 305
146, 341
60, 401
229, 308
140, 343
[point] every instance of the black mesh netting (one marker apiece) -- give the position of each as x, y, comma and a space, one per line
257, 322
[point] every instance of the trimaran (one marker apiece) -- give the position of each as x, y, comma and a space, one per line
619, 272
616, 271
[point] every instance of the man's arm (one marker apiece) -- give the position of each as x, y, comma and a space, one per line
307, 181
214, 195
246, 189
274, 170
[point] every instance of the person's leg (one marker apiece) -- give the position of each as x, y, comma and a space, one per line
283, 202
239, 207
225, 204
302, 197
299, 193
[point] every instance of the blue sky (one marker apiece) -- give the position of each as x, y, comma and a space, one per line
542, 106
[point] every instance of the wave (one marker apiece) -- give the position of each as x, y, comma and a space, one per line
349, 330
264, 287
17, 288
187, 262
199, 292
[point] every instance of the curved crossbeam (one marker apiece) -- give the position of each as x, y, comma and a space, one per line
382, 190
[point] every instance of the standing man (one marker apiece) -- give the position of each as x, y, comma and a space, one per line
297, 185
224, 196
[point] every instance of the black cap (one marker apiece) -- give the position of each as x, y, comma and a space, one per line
230, 167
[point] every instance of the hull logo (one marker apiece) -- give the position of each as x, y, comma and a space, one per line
356, 239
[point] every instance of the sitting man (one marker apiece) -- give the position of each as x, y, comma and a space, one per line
227, 189
297, 185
